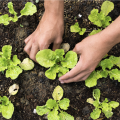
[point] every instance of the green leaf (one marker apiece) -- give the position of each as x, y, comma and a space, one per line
51, 103
95, 114
64, 103
29, 9
92, 79
6, 49
27, 64
82, 31
65, 116
13, 72
62, 71
41, 110
107, 7
0, 108
59, 54
7, 111
57, 93
5, 100
53, 115
3, 64
106, 63
70, 60
16, 61
96, 94
106, 22
115, 73
5, 19
11, 9
96, 103
75, 27
95, 32
108, 114
51, 72
113, 104
46, 58
96, 17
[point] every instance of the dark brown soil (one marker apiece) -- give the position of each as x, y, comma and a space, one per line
35, 88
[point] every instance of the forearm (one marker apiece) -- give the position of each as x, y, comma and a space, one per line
55, 7
111, 35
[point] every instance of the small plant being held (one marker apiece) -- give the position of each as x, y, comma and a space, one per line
29, 9
6, 107
75, 28
56, 61
101, 19
105, 106
55, 107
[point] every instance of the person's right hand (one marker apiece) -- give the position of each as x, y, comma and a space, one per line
50, 30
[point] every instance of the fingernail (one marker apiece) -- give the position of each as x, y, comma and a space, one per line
61, 82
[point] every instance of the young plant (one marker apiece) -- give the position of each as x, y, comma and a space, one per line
101, 19
29, 9
12, 66
56, 61
6, 107
54, 107
75, 28
105, 106
106, 66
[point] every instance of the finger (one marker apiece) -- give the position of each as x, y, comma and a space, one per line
56, 45
72, 73
28, 46
80, 77
43, 46
33, 51
27, 39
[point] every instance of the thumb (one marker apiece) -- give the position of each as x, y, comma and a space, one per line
78, 48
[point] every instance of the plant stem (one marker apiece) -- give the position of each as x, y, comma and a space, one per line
19, 16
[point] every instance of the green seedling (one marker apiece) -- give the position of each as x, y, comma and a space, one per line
29, 9
106, 65
75, 28
6, 107
105, 106
101, 19
12, 66
54, 108
55, 61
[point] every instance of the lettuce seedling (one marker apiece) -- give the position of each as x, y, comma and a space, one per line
77, 29
56, 61
105, 106
101, 19
29, 9
54, 107
11, 66
6, 107
106, 65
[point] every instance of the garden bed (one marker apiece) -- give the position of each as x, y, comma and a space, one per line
35, 88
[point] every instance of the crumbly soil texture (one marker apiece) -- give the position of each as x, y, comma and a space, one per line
35, 89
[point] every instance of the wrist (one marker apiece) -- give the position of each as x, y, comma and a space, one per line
111, 34
54, 7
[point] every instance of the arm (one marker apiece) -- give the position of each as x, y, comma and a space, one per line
91, 50
49, 30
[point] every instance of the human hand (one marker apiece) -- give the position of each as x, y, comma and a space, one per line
91, 50
50, 30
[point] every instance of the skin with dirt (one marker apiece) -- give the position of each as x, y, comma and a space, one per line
34, 88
